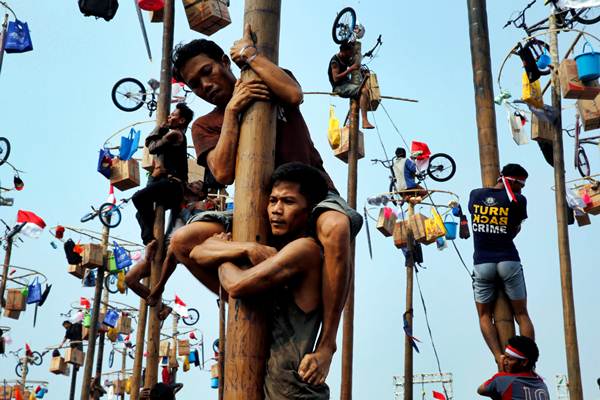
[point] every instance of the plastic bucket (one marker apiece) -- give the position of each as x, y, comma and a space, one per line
588, 64
543, 61
214, 383
451, 228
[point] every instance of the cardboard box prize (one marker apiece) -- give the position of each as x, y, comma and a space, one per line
386, 221
124, 325
570, 85
207, 16
401, 233
374, 93
417, 225
541, 129
91, 256
76, 270
125, 175
58, 365
589, 110
12, 314
343, 149
15, 301
593, 191
183, 347
74, 356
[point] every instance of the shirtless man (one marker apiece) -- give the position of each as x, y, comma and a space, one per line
290, 270
203, 66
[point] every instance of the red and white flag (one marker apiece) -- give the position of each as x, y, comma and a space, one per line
111, 195
180, 307
438, 396
85, 303
34, 225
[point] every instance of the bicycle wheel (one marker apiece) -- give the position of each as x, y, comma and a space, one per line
20, 368
128, 94
586, 16
110, 283
343, 25
192, 318
582, 162
110, 215
441, 167
37, 358
111, 358
4, 150
88, 217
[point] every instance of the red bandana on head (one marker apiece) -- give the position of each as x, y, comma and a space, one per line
509, 191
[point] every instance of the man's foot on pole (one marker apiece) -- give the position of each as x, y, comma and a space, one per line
164, 312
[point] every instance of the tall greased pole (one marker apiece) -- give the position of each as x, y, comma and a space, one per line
348, 321
566, 279
140, 336
247, 334
174, 343
123, 368
93, 329
410, 266
102, 336
486, 134
164, 101
7, 254
3, 38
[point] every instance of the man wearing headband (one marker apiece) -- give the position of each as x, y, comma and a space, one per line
519, 381
496, 216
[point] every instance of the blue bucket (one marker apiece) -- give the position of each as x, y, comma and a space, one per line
214, 383
451, 228
588, 64
544, 60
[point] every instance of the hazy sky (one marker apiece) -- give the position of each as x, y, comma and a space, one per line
57, 112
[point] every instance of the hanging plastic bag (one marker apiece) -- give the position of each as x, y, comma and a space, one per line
72, 257
574, 200
516, 121
18, 39
121, 256
121, 286
186, 364
89, 279
105, 159
87, 320
129, 144
334, 132
438, 220
532, 92
112, 264
35, 292
111, 318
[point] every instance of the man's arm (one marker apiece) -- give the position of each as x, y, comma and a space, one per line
283, 86
173, 137
488, 388
292, 260
216, 250
337, 75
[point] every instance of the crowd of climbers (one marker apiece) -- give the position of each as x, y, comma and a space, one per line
305, 264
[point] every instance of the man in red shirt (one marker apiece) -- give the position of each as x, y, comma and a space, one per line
204, 67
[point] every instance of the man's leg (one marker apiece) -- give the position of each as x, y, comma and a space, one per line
144, 200
511, 273
364, 107
168, 267
333, 231
488, 330
522, 317
141, 270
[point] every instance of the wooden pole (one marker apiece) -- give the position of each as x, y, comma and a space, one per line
174, 344
486, 133
408, 348
93, 330
102, 337
348, 322
5, 267
566, 280
3, 38
73, 382
139, 347
25, 361
123, 367
164, 101
221, 359
247, 334
567, 54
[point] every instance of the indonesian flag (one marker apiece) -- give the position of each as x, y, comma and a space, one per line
438, 395
111, 195
423, 154
34, 225
85, 303
180, 307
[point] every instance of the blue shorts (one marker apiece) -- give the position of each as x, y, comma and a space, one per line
487, 277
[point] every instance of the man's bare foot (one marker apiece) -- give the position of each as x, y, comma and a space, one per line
164, 312
150, 250
367, 125
314, 367
155, 294
500, 362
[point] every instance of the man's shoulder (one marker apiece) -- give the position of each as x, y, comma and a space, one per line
208, 121
305, 245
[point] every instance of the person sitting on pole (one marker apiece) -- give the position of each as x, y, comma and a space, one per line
290, 270
340, 67
496, 217
519, 380
73, 333
203, 66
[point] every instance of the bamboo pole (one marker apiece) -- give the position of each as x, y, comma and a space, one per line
93, 330
247, 329
489, 158
164, 101
5, 267
566, 280
123, 368
221, 358
102, 337
408, 348
348, 322
174, 344
139, 347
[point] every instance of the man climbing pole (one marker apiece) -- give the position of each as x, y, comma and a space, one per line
519, 380
340, 67
73, 333
496, 216
291, 269
204, 67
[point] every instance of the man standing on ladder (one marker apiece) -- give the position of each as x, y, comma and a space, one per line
496, 216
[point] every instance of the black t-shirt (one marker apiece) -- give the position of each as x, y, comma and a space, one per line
73, 332
495, 222
342, 67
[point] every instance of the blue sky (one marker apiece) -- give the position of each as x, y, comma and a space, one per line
56, 110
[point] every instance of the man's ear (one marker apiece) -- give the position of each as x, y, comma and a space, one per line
226, 61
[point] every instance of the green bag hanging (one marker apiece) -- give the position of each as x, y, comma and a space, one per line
25, 291
87, 320
112, 264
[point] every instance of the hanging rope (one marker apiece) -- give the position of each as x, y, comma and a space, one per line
379, 135
393, 124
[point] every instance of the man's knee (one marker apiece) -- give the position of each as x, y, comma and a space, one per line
333, 228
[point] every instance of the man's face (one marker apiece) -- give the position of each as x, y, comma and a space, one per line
210, 80
288, 209
66, 325
175, 120
347, 54
516, 185
514, 365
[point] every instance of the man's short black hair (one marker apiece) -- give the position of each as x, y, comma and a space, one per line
344, 46
67, 322
184, 52
161, 391
514, 170
185, 112
312, 183
526, 346
400, 152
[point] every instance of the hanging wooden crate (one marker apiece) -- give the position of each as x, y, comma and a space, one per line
386, 221
417, 225
91, 256
164, 348
195, 171
15, 301
541, 129
74, 356
401, 233
183, 347
343, 149
12, 314
374, 93
207, 16
593, 191
157, 15
58, 365
583, 219
589, 110
76, 270
570, 85
125, 175
124, 325
147, 160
